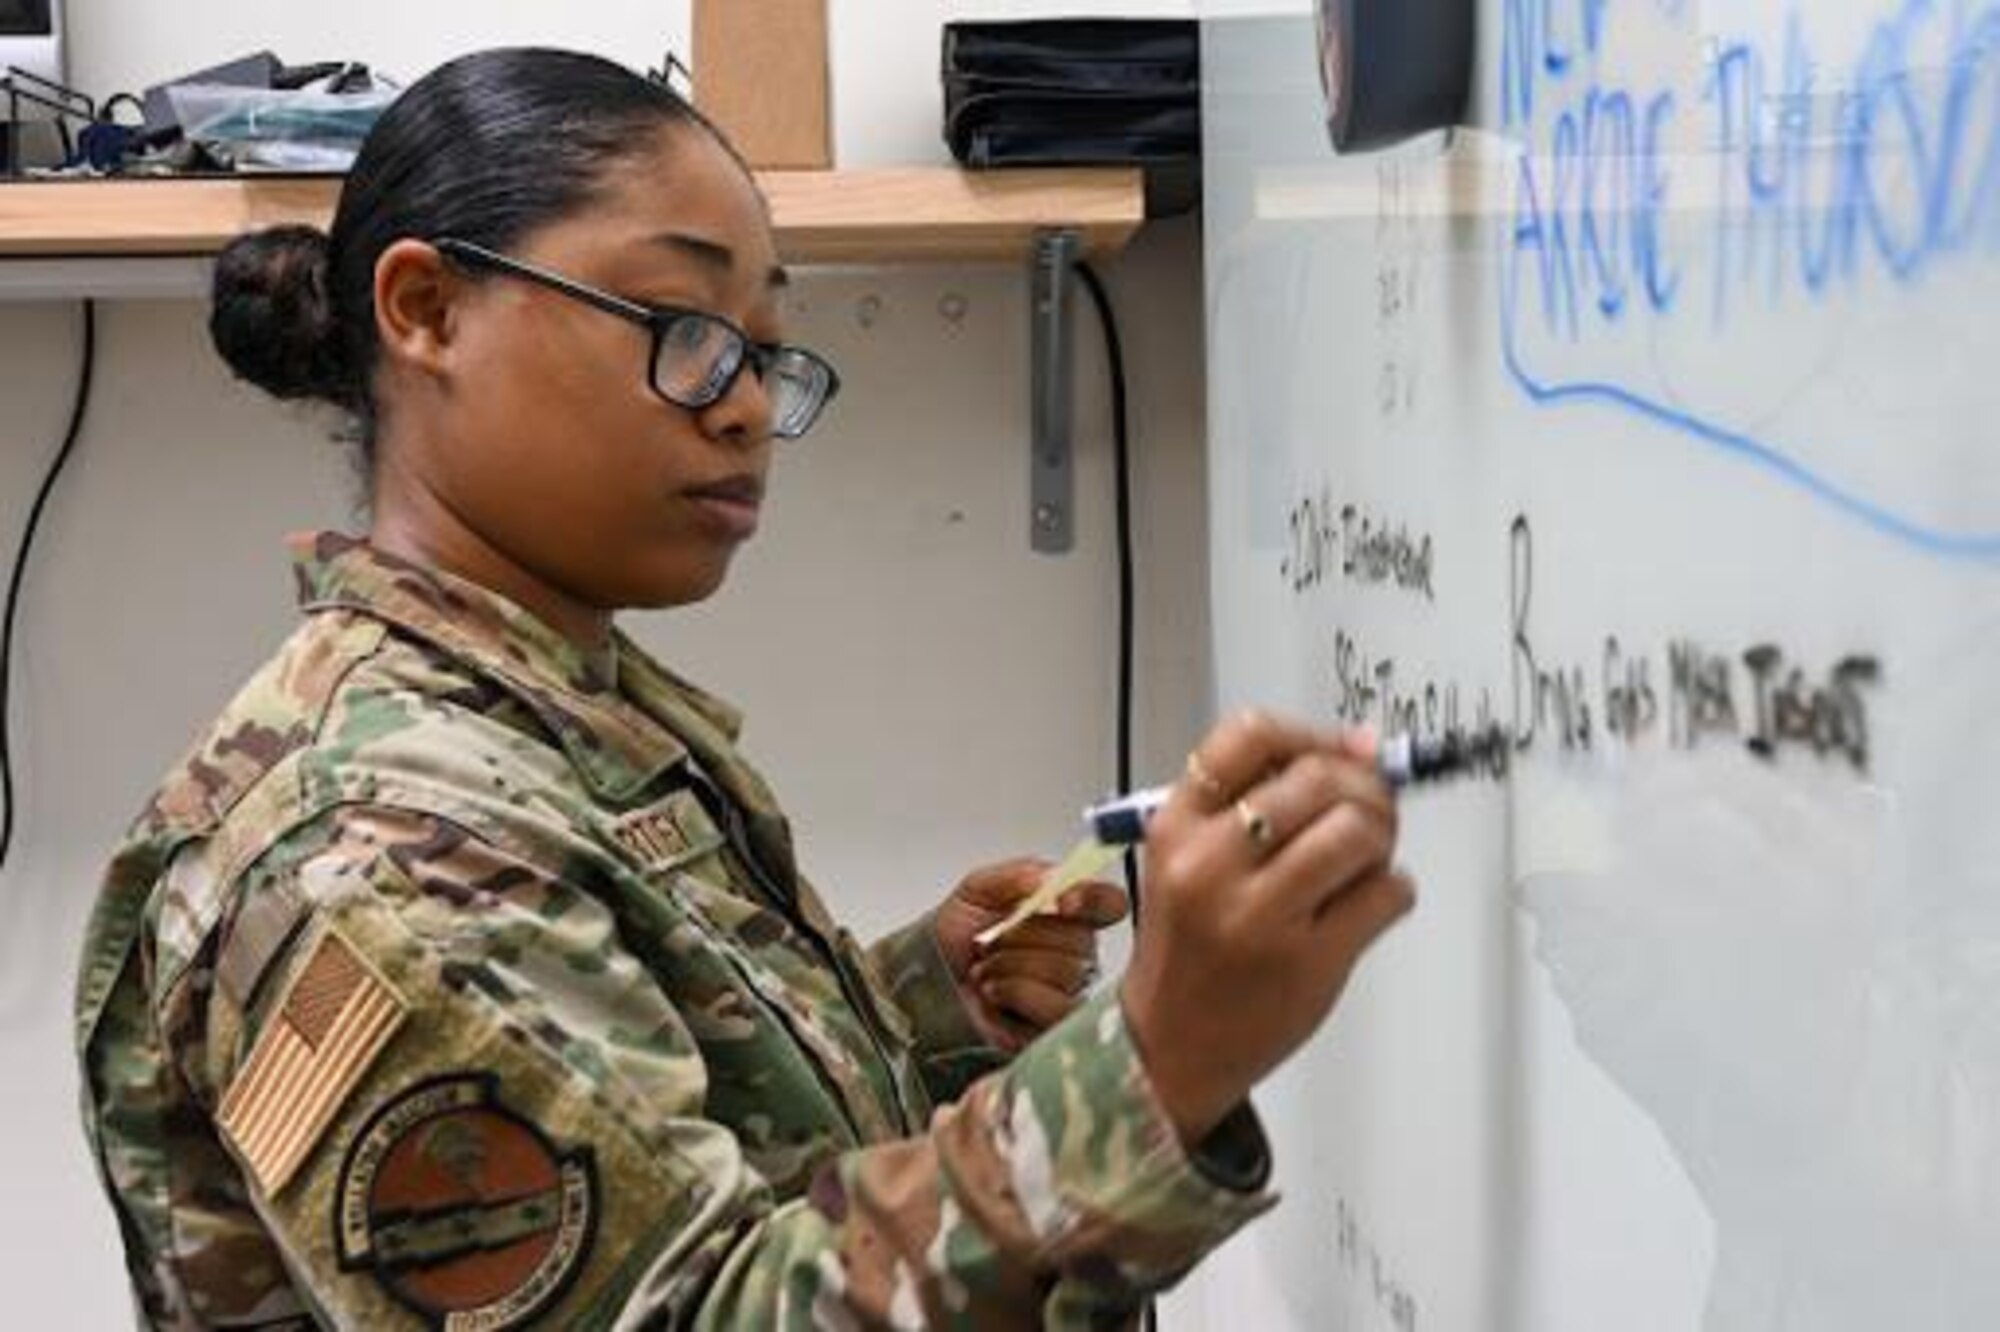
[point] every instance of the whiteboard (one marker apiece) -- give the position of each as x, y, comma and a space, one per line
1655, 418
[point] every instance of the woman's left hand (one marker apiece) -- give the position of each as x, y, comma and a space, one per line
1029, 979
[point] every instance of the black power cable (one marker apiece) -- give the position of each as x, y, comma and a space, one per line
1121, 440
1114, 355
20, 570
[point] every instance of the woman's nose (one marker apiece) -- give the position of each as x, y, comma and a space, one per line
743, 413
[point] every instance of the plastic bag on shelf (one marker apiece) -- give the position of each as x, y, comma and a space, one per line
268, 129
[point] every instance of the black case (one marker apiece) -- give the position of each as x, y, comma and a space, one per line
1073, 92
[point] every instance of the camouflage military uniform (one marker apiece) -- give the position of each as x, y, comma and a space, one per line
463, 979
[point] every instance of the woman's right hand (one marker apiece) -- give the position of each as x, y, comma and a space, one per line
1267, 876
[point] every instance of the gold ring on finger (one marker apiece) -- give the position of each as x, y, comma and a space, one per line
1255, 825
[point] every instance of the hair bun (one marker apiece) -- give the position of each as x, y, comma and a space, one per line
272, 319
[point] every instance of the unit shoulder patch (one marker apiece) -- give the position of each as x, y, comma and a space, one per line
462, 1210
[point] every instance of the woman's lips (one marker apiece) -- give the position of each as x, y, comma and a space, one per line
731, 507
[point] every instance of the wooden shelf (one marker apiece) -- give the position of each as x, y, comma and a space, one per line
895, 215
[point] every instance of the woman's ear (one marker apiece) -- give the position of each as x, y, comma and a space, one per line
415, 292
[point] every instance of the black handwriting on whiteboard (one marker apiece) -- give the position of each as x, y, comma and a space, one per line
1328, 542
1789, 705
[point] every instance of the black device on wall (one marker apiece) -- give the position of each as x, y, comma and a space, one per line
1394, 69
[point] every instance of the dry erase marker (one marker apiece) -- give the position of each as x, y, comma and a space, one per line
1403, 760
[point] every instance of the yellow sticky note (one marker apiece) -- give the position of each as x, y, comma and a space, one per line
1087, 860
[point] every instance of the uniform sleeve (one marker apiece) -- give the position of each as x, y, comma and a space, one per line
950, 1050
462, 1102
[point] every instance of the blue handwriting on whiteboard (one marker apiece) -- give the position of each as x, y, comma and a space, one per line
1819, 197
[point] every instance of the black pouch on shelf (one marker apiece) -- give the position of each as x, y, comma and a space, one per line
1073, 92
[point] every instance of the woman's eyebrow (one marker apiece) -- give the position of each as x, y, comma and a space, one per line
715, 255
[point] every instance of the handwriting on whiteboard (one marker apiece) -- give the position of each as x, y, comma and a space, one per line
1686, 694
1399, 282
1329, 541
1672, 236
1367, 1271
1760, 696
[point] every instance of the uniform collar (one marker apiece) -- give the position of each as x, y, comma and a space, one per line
619, 746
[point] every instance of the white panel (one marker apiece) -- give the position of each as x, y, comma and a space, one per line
1681, 1036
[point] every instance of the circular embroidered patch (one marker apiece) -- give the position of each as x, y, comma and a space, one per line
462, 1210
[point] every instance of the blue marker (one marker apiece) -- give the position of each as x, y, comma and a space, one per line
1402, 760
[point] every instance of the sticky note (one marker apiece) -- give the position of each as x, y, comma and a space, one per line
1088, 859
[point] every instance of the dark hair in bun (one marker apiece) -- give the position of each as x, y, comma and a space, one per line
272, 320
488, 149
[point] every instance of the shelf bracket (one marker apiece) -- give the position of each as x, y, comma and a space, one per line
1052, 465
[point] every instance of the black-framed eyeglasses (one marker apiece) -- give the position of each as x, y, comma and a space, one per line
696, 355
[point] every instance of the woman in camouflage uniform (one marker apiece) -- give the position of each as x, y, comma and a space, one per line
462, 977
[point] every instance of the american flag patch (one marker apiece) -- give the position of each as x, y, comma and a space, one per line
334, 1020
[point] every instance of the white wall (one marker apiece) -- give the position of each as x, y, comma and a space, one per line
925, 692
